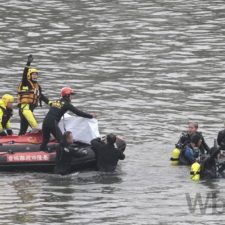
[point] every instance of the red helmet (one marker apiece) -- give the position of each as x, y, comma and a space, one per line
66, 91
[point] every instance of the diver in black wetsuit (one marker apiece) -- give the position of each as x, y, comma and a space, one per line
209, 167
185, 138
57, 110
107, 154
221, 139
65, 154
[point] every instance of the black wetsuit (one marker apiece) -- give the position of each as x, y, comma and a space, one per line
106, 154
185, 139
64, 157
221, 139
24, 124
50, 124
221, 143
209, 168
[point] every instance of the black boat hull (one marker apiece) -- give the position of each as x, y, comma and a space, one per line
29, 158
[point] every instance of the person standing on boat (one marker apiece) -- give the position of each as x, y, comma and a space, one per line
6, 112
107, 154
185, 138
56, 111
29, 96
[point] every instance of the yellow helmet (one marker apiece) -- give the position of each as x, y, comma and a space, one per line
6, 98
30, 71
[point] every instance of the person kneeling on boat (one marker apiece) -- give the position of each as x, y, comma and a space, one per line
6, 112
30, 95
191, 152
185, 138
57, 110
65, 154
107, 154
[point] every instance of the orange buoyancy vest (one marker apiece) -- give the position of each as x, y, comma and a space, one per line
29, 94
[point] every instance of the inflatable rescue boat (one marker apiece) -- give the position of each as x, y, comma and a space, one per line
23, 153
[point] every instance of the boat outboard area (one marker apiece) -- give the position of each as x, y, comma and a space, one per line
23, 153
204, 162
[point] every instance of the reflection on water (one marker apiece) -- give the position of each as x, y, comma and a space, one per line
146, 68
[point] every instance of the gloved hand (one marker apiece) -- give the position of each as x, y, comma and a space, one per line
9, 132
30, 59
3, 133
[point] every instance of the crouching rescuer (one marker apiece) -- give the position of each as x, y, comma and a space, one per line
29, 96
6, 112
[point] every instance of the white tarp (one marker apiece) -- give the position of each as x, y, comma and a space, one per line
83, 129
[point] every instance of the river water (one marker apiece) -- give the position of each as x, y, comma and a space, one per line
147, 68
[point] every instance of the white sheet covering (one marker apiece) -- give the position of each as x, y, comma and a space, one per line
83, 129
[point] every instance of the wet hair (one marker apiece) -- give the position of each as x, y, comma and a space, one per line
111, 138
196, 138
66, 135
195, 124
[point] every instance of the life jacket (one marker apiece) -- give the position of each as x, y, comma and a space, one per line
7, 114
29, 94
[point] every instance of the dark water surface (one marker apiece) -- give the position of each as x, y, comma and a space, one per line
146, 67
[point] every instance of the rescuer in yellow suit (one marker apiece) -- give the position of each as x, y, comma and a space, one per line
29, 97
6, 112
